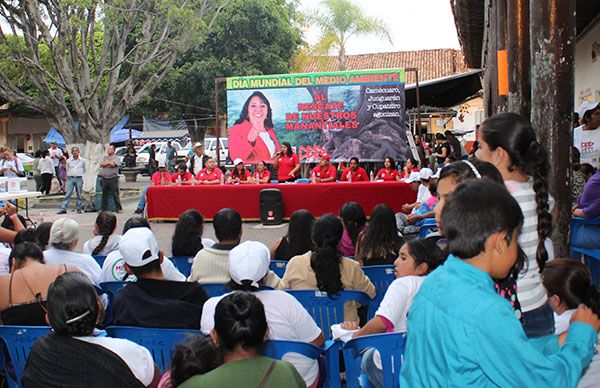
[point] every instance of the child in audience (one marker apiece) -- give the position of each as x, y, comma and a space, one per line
508, 141
569, 285
298, 240
412, 223
104, 241
417, 259
460, 331
354, 221
380, 242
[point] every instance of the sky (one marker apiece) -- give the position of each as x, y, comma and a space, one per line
413, 24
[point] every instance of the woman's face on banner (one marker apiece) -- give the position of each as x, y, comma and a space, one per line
257, 110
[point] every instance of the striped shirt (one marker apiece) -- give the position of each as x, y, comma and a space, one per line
530, 291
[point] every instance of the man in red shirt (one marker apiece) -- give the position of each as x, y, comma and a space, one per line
159, 178
324, 172
182, 176
354, 173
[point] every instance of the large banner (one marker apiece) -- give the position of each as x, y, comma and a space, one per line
344, 114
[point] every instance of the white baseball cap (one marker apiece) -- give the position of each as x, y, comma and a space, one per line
162, 163
237, 161
413, 177
138, 247
437, 173
585, 106
249, 261
425, 173
198, 145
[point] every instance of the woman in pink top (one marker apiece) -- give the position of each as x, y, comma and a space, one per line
388, 172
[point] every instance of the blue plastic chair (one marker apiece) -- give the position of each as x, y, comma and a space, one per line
19, 340
160, 342
99, 259
111, 288
278, 266
381, 276
391, 349
215, 289
183, 264
326, 311
590, 256
429, 225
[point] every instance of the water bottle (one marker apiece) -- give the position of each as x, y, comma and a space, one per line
222, 179
313, 178
371, 176
349, 176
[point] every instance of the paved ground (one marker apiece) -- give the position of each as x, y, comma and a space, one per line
45, 209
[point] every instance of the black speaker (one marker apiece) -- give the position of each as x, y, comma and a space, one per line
271, 207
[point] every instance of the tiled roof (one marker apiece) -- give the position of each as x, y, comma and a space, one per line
431, 63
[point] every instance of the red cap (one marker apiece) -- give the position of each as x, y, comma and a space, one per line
326, 157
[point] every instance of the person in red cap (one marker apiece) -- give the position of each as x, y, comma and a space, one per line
324, 172
354, 173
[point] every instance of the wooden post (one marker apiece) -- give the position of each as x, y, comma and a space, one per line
501, 47
519, 85
552, 31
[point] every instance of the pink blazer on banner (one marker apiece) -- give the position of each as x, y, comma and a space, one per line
240, 147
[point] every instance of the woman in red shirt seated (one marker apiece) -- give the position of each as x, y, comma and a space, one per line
354, 173
210, 175
287, 163
388, 172
239, 174
410, 166
262, 174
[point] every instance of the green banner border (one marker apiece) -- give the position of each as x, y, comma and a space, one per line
301, 80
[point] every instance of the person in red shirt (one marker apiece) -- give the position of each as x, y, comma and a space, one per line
410, 166
210, 175
182, 176
388, 172
239, 174
354, 173
287, 163
262, 174
324, 172
159, 178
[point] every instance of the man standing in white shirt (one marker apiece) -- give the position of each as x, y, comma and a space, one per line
76, 168
55, 154
586, 137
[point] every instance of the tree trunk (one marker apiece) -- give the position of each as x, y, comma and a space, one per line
196, 132
342, 57
92, 153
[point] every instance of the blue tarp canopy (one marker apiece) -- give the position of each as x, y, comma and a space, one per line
54, 135
120, 134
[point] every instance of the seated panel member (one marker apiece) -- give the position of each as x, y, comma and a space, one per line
354, 173
182, 176
262, 174
324, 172
239, 174
210, 175
159, 178
388, 172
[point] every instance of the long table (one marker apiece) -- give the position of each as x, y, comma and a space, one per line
168, 202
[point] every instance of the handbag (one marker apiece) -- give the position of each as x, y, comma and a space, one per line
267, 375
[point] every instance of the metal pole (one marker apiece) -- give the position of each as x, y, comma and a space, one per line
519, 85
552, 31
418, 97
218, 119
501, 45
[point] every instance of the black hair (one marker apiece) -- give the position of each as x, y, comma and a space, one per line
575, 158
354, 219
289, 152
45, 153
136, 222
240, 321
187, 238
451, 158
244, 114
37, 154
299, 232
426, 250
107, 223
355, 159
392, 161
23, 251
181, 166
245, 286
461, 171
380, 240
325, 261
8, 224
43, 233
414, 161
29, 235
145, 270
516, 136
227, 224
587, 169
588, 113
475, 210
73, 307
440, 136
448, 133
236, 174
432, 187
194, 356
571, 281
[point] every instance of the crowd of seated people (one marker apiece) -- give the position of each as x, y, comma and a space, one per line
481, 301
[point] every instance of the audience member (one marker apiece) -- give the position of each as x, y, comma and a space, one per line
104, 241
197, 355
12, 223
286, 318
455, 147
586, 137
187, 239
113, 268
23, 297
239, 174
326, 269
389, 171
43, 234
442, 149
482, 223
11, 166
508, 141
153, 301
160, 178
35, 169
46, 167
74, 354
75, 169
588, 206
56, 155
413, 222
26, 235
423, 193
354, 221
380, 243
109, 174
578, 178
64, 236
262, 173
588, 170
324, 172
297, 240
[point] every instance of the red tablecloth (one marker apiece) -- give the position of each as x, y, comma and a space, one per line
168, 202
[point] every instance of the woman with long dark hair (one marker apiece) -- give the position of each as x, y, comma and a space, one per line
380, 243
187, 239
104, 241
325, 268
252, 137
298, 240
388, 173
354, 221
239, 174
287, 163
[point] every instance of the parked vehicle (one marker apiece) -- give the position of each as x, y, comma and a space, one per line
210, 149
143, 154
27, 163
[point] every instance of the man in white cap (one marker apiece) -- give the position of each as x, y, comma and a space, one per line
586, 137
153, 301
286, 317
160, 178
197, 160
410, 224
